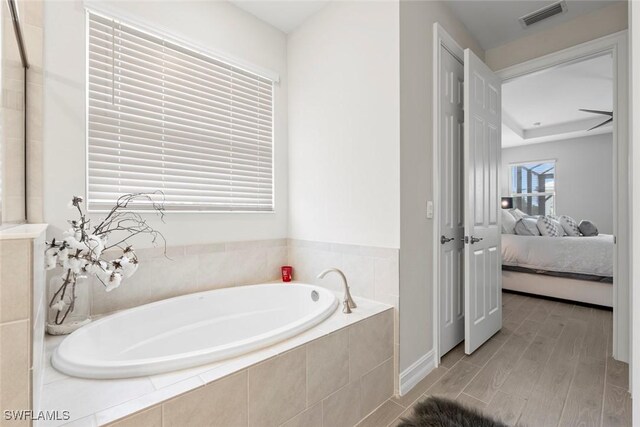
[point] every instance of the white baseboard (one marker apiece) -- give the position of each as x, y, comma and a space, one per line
416, 372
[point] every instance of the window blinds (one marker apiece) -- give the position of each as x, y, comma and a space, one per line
165, 117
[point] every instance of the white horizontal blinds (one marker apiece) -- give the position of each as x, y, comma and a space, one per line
164, 117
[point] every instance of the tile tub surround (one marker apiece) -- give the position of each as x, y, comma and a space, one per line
22, 311
341, 369
192, 268
372, 272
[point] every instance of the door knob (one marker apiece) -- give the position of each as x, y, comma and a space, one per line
475, 239
444, 239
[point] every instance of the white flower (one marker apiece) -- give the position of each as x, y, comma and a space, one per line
51, 258
128, 266
50, 262
114, 281
76, 264
63, 252
73, 243
60, 305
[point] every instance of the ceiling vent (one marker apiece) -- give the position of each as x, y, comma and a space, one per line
544, 13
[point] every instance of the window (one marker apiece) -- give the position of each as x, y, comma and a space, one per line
533, 187
162, 116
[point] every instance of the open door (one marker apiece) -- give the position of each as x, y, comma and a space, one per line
482, 253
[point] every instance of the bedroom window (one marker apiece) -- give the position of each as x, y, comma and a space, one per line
163, 116
533, 187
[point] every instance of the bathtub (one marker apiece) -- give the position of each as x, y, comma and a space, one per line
192, 330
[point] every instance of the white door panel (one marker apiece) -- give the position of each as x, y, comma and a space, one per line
451, 219
482, 254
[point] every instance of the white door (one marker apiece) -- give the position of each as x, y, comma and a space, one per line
451, 220
482, 254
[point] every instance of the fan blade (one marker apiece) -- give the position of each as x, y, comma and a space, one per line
606, 113
601, 124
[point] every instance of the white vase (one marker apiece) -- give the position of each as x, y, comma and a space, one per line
81, 314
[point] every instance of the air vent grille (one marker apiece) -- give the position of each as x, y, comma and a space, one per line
544, 13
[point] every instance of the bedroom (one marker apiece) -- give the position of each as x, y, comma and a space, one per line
554, 161
557, 182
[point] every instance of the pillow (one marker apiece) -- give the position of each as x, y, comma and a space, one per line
508, 222
549, 227
569, 225
587, 228
527, 227
517, 213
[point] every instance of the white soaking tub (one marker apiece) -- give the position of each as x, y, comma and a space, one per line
192, 330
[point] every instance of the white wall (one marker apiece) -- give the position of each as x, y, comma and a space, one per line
634, 282
584, 175
344, 125
416, 163
218, 25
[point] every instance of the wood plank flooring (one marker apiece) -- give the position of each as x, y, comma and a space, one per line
550, 365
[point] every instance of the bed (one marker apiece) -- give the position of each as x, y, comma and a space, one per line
572, 268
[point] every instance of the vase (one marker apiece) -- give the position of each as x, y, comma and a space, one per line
81, 313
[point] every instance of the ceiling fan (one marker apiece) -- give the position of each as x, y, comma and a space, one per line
605, 113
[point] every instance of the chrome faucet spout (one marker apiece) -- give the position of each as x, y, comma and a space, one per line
347, 301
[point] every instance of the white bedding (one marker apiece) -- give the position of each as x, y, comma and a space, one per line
578, 255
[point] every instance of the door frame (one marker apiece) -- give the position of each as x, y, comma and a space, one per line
441, 38
615, 43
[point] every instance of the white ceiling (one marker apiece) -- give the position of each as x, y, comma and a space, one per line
284, 15
553, 97
494, 23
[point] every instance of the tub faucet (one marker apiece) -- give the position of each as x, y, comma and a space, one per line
347, 302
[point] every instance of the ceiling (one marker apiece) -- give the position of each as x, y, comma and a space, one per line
494, 23
552, 99
284, 15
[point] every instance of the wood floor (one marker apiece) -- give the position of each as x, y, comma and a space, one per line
550, 365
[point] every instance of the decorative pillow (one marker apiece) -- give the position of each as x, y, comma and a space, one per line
527, 227
587, 228
557, 219
517, 213
549, 227
569, 225
508, 222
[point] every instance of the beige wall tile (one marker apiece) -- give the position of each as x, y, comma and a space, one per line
343, 408
150, 418
312, 417
14, 366
360, 273
327, 365
370, 343
15, 279
277, 389
222, 403
377, 386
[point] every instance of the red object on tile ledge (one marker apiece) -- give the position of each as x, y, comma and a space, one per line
287, 273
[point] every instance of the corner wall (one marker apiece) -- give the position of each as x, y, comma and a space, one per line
344, 125
416, 177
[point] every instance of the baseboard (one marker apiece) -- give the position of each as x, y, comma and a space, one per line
416, 372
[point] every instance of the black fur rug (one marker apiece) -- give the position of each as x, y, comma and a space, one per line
438, 412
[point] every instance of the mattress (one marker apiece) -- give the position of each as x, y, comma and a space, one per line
591, 256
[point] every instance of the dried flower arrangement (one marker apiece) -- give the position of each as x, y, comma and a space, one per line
83, 250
